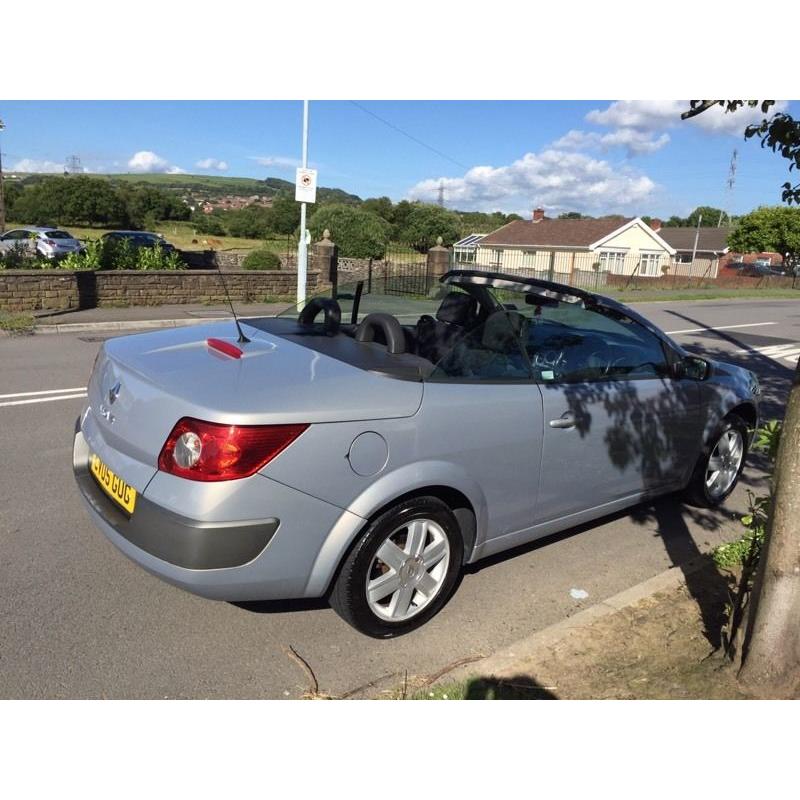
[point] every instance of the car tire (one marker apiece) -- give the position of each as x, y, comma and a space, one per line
727, 448
423, 548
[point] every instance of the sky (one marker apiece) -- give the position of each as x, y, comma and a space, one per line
595, 157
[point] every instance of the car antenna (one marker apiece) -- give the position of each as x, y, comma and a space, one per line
242, 338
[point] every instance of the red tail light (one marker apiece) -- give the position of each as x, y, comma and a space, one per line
208, 451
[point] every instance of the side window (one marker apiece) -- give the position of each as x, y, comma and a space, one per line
569, 343
492, 351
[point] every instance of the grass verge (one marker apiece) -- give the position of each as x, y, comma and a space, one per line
16, 323
645, 295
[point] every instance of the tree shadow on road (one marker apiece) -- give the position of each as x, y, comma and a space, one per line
515, 687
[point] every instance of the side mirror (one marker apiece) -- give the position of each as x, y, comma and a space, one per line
692, 368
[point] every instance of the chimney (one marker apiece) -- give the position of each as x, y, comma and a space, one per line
655, 224
538, 214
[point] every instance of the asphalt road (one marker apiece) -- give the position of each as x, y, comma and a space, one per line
78, 620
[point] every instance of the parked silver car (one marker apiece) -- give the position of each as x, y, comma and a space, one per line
47, 242
370, 446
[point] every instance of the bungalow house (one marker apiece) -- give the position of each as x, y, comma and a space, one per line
711, 253
559, 248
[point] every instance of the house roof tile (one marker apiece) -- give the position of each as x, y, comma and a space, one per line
554, 232
711, 240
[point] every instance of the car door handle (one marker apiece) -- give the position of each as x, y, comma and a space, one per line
564, 421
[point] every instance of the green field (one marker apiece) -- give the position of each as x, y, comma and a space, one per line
183, 236
210, 184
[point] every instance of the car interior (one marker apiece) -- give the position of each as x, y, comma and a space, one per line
473, 335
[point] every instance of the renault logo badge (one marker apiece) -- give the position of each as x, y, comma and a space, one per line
113, 393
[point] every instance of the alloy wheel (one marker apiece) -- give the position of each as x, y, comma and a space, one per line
724, 463
408, 570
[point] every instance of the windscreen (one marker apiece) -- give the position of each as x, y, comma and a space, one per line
59, 235
357, 299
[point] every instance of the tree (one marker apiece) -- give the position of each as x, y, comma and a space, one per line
771, 647
401, 212
145, 203
572, 215
357, 233
284, 215
381, 206
710, 217
250, 222
208, 224
11, 192
773, 229
481, 222
425, 223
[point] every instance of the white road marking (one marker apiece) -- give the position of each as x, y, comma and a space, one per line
777, 352
43, 391
721, 328
42, 399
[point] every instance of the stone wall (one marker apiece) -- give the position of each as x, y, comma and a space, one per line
227, 260
33, 290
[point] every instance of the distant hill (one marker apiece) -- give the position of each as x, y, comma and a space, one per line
212, 184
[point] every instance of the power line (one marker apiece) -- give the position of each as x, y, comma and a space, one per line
409, 136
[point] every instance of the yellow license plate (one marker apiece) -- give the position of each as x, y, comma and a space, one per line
116, 488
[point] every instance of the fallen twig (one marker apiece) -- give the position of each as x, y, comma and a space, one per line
449, 668
293, 654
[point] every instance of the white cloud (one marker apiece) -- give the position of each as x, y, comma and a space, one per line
634, 141
36, 165
656, 115
212, 163
276, 161
148, 161
554, 179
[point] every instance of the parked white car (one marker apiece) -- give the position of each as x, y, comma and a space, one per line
45, 241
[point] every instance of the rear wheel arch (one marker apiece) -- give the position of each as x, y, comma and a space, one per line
457, 501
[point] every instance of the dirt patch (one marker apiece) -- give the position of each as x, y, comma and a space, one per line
660, 648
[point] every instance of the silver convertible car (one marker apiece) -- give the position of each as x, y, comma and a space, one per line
368, 446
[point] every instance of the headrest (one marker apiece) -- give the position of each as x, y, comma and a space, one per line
457, 308
504, 331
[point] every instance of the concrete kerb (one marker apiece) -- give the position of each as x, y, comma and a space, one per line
510, 660
128, 325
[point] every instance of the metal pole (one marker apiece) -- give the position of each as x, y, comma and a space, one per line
302, 248
694, 249
2, 198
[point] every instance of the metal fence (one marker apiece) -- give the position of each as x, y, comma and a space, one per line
610, 271
404, 273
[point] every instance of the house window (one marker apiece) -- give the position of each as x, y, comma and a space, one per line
497, 258
612, 261
649, 264
683, 258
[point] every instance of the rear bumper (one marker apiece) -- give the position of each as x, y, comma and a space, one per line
173, 538
284, 555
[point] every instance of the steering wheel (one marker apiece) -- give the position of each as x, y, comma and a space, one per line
388, 326
596, 359
331, 309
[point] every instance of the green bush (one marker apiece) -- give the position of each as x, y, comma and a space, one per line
357, 233
18, 257
120, 254
425, 223
90, 257
262, 258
